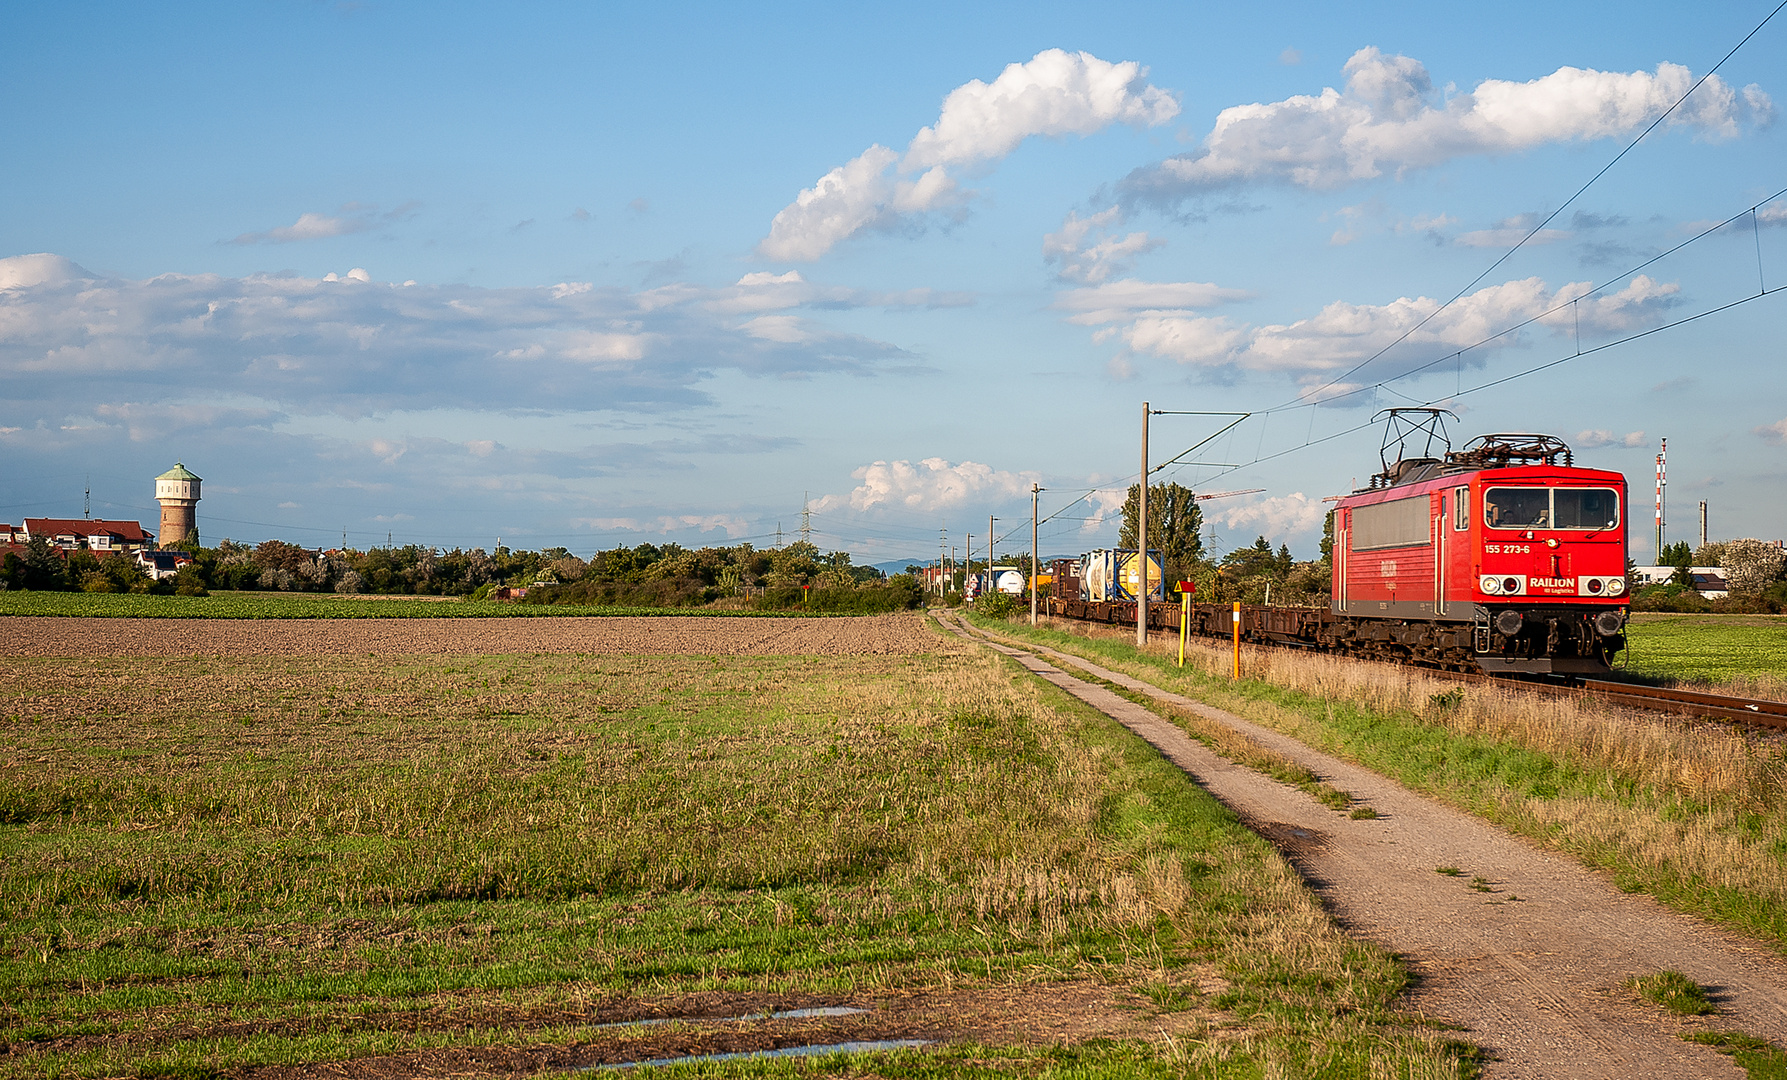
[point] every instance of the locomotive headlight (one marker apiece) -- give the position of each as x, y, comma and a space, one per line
1491, 585
1615, 586
1595, 585
1511, 584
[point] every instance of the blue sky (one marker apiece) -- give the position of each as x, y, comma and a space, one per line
597, 275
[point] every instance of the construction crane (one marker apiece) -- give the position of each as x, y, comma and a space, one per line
1226, 494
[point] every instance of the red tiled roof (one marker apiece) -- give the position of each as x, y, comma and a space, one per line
130, 532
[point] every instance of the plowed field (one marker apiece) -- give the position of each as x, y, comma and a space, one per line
879, 635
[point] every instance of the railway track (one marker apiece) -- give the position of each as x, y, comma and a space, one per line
1752, 712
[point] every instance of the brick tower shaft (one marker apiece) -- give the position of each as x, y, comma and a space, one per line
177, 490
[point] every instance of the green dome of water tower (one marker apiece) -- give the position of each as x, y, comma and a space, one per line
177, 490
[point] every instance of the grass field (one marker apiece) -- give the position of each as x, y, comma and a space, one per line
1715, 649
1692, 814
216, 864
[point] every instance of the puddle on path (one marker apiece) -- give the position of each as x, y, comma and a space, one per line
787, 1051
786, 1014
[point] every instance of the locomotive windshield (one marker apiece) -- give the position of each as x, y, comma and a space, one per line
1551, 508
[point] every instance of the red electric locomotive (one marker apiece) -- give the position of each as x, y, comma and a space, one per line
1502, 557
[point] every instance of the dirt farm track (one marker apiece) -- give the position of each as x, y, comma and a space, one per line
884, 635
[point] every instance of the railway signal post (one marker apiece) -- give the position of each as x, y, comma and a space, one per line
1186, 588
1033, 493
1237, 639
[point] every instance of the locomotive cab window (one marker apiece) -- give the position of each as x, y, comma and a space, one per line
1551, 508
1585, 508
1461, 509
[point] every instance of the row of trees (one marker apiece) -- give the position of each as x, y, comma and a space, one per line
673, 576
645, 574
42, 566
1749, 567
1755, 572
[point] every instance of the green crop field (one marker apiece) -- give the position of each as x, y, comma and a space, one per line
481, 862
1707, 648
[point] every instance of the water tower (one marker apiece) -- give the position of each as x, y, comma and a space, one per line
177, 490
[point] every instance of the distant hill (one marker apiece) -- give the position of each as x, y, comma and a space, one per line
895, 566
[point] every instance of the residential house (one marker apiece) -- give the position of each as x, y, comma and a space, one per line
162, 564
98, 536
1709, 581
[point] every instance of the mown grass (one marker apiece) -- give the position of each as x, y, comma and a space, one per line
318, 606
1695, 814
213, 864
1740, 654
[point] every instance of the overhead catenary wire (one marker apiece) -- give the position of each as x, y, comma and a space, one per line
1505, 256
1311, 399
1522, 374
1627, 339
1383, 384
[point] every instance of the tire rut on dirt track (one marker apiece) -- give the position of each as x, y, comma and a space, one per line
1532, 969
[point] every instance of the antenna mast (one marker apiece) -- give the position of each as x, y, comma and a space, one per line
1662, 458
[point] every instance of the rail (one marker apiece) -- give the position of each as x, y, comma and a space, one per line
1751, 712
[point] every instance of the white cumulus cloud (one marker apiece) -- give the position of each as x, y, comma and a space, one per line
43, 268
145, 422
764, 292
307, 227
1117, 300
1343, 334
931, 484
1390, 118
1774, 434
352, 345
1083, 258
730, 524
1056, 93
1103, 503
1275, 518
350, 218
1595, 439
1510, 231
